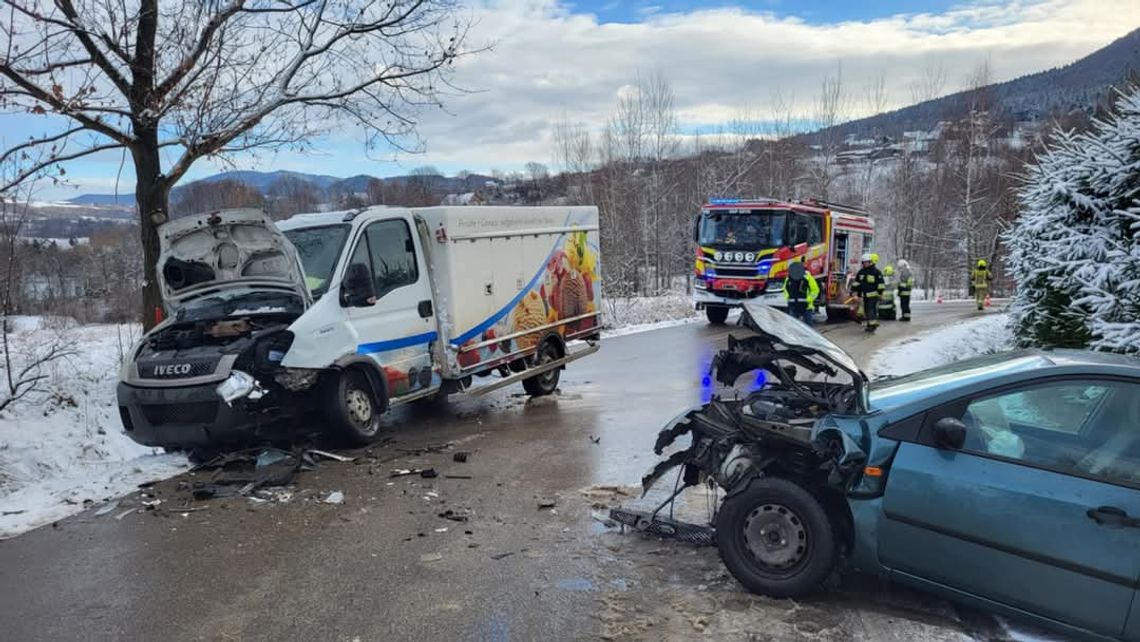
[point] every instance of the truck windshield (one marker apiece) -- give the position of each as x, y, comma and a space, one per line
319, 249
753, 229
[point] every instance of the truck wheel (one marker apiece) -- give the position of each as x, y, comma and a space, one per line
717, 314
354, 408
775, 538
547, 382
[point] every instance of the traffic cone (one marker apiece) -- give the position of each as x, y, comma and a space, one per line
988, 303
938, 298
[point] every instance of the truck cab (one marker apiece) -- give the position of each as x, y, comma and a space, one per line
744, 248
351, 313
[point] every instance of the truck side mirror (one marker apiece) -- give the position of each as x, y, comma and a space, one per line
358, 290
949, 433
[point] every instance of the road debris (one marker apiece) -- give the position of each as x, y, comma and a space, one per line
499, 556
460, 457
595, 440
456, 515
546, 503
457, 476
431, 557
335, 497
429, 473
123, 514
335, 457
106, 508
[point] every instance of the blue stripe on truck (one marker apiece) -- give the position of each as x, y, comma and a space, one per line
396, 344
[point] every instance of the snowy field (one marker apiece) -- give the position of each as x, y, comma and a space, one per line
62, 448
984, 335
639, 314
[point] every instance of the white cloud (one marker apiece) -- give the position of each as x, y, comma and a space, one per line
546, 62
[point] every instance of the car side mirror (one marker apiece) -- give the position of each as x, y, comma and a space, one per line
949, 433
358, 290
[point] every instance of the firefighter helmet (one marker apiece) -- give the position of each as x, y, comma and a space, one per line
867, 258
888, 271
874, 258
981, 263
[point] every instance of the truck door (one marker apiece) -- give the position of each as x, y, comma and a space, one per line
399, 329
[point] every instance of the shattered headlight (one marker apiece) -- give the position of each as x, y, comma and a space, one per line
239, 385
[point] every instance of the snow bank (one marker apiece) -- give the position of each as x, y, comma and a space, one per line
984, 335
646, 313
64, 445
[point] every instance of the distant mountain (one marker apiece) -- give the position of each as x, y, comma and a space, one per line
262, 180
1081, 85
122, 200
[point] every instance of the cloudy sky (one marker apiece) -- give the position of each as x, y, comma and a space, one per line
553, 58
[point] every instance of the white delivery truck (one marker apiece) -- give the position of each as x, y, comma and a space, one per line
352, 313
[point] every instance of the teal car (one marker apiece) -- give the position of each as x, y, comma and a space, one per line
1009, 482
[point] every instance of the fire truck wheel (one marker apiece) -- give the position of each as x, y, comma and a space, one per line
717, 314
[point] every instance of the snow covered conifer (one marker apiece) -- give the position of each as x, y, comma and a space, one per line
1074, 250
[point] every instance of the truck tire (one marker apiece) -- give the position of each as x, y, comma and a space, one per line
775, 538
354, 408
717, 314
547, 382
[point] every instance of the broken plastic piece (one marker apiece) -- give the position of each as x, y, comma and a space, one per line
428, 473
333, 456
335, 497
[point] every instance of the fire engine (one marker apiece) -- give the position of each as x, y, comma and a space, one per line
744, 248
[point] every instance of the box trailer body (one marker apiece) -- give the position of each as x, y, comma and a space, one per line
351, 313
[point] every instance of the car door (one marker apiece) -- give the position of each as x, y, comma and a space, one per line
1038, 508
398, 330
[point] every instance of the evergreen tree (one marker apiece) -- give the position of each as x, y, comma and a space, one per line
1074, 250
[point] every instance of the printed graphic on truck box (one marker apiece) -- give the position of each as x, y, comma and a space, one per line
406, 365
563, 297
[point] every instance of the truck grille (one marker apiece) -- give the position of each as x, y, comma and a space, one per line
201, 412
176, 368
748, 271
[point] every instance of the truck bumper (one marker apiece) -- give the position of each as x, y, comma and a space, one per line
183, 417
703, 298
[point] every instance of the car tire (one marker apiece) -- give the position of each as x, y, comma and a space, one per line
546, 383
354, 408
717, 314
776, 539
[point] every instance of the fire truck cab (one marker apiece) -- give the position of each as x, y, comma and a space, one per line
744, 248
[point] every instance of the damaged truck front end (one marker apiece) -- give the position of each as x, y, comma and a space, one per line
211, 373
787, 457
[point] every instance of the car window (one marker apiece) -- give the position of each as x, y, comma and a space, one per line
393, 255
1086, 427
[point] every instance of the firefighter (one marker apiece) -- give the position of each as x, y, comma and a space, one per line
980, 282
904, 287
869, 285
800, 292
887, 309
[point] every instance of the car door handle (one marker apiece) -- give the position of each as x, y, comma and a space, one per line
1112, 516
425, 309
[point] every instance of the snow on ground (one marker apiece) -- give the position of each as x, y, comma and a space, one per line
639, 314
63, 448
983, 335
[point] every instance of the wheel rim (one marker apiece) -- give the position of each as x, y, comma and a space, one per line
359, 407
545, 357
776, 537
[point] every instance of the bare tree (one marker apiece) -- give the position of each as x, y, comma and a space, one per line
831, 110
929, 84
198, 78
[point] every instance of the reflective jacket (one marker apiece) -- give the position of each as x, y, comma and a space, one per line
805, 289
906, 284
869, 282
981, 277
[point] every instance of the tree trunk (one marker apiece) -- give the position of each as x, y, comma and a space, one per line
152, 196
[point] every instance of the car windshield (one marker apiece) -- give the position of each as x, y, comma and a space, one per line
888, 392
753, 229
319, 249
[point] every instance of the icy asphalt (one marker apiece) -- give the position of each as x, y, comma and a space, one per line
531, 562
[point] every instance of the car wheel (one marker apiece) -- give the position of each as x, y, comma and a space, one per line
775, 538
717, 314
354, 408
547, 382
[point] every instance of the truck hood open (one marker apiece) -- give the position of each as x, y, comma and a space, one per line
227, 250
781, 328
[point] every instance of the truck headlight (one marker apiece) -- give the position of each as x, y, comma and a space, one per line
239, 385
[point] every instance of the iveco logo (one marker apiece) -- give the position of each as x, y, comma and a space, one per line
171, 369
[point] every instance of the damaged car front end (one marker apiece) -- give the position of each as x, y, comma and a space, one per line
786, 455
211, 372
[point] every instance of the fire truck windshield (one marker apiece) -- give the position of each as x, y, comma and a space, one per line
753, 229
